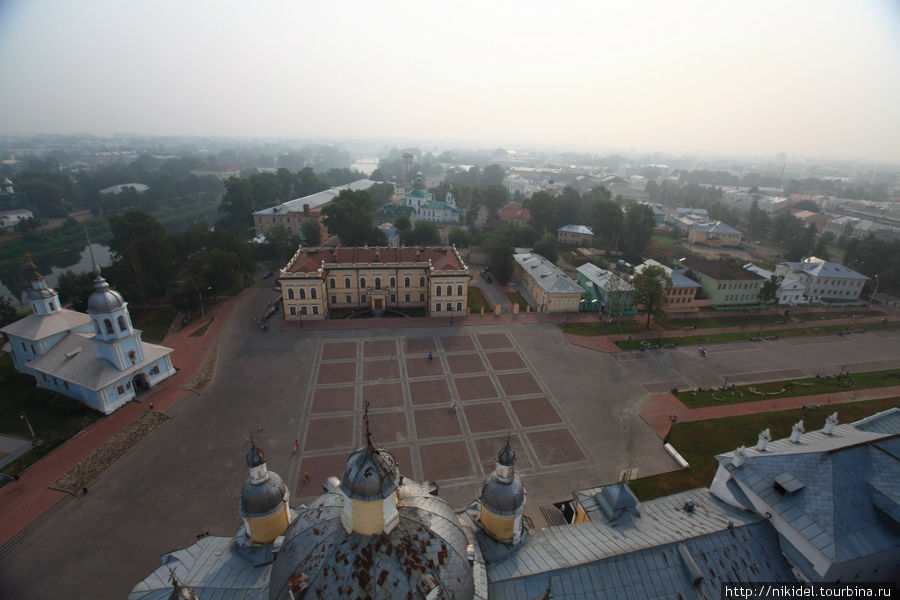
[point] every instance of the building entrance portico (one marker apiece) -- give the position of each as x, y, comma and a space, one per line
140, 383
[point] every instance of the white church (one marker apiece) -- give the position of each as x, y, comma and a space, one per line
97, 358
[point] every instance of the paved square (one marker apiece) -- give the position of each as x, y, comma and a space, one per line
319, 468
403, 455
374, 370
383, 395
487, 416
422, 345
336, 373
489, 448
388, 427
474, 388
518, 384
457, 343
505, 361
465, 363
338, 350
429, 391
533, 412
337, 399
380, 348
555, 446
493, 341
436, 422
329, 432
446, 460
422, 367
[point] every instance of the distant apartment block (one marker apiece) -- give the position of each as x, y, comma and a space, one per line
714, 233
862, 228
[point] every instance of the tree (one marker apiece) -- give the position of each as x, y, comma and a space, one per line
499, 249
402, 223
8, 312
460, 237
606, 221
74, 289
311, 232
546, 247
492, 175
650, 288
768, 290
141, 248
349, 216
569, 203
422, 233
639, 224
237, 203
544, 212
281, 242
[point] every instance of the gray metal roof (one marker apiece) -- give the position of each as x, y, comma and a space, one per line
212, 568
502, 497
582, 229
604, 279
429, 541
745, 553
38, 327
260, 498
887, 421
816, 267
371, 474
825, 490
75, 359
663, 521
317, 199
104, 299
546, 274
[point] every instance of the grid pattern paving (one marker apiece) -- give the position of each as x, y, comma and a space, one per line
444, 418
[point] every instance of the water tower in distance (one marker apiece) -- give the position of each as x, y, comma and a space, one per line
408, 162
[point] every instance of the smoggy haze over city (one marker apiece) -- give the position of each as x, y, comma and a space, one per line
814, 78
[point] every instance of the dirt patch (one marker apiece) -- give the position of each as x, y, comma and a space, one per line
205, 374
76, 480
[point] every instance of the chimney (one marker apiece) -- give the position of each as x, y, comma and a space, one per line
831, 422
796, 431
739, 455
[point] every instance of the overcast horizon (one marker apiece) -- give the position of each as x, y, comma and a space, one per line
808, 78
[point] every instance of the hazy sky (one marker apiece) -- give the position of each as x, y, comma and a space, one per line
814, 77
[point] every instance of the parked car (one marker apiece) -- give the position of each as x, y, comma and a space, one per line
488, 279
268, 275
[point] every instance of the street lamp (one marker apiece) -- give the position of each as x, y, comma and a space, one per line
872, 295
203, 312
27, 422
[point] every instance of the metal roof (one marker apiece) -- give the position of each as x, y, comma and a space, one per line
576, 229
604, 279
546, 274
38, 327
212, 568
75, 359
317, 199
816, 267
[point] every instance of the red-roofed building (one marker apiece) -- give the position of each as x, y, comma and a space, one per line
515, 213
317, 280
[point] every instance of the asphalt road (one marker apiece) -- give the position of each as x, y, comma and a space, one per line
184, 480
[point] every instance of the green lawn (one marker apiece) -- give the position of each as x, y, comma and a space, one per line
54, 417
477, 301
154, 323
787, 389
516, 298
601, 327
739, 336
698, 442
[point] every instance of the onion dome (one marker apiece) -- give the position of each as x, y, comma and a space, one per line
255, 456
371, 474
261, 497
502, 497
425, 555
104, 300
507, 456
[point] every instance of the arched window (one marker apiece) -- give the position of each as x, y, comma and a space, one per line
449, 290
421, 282
97, 327
406, 282
122, 325
331, 283
290, 293
378, 283
346, 283
362, 282
312, 293
459, 291
437, 291
109, 327
302, 293
51, 305
393, 282
132, 357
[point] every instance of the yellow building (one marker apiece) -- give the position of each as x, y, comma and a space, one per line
714, 233
317, 280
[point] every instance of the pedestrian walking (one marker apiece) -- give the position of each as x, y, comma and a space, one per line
296, 445
84, 490
452, 406
305, 476
151, 406
430, 357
